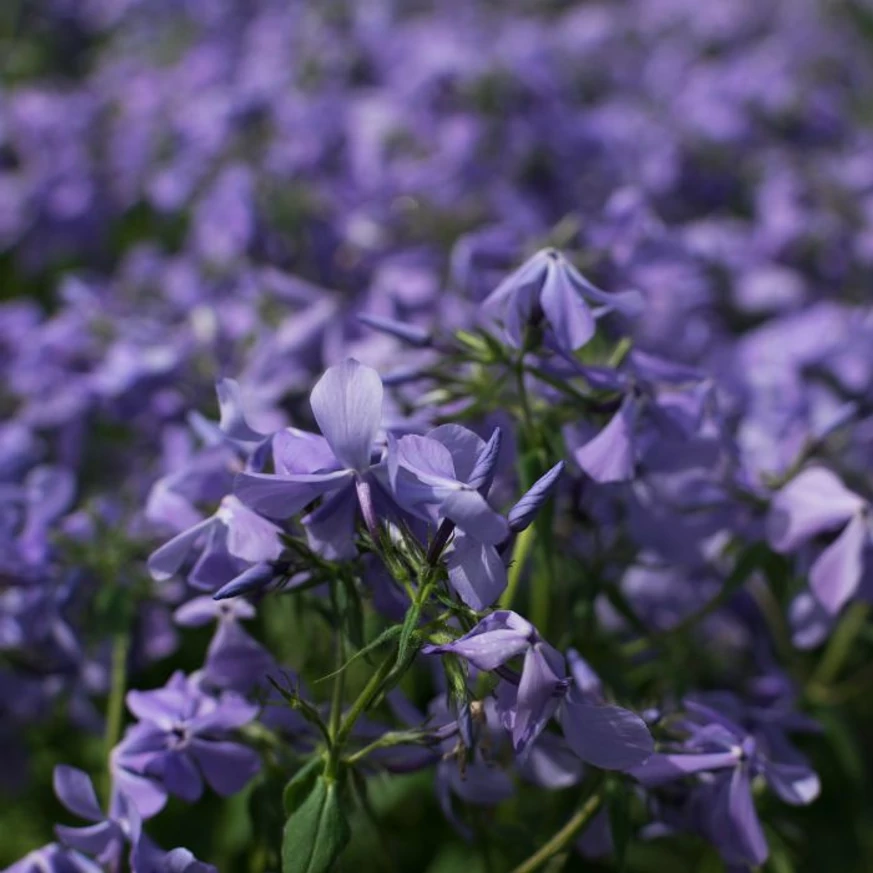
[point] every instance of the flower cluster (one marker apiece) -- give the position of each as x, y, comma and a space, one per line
460, 409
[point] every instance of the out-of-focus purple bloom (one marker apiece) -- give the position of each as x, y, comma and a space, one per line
180, 740
814, 502
715, 745
232, 425
231, 537
548, 288
54, 859
611, 455
234, 660
106, 837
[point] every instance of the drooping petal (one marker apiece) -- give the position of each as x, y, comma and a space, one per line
227, 767
797, 784
744, 818
814, 501
566, 311
629, 303
606, 736
550, 763
179, 775
513, 300
835, 576
347, 404
75, 790
519, 313
476, 572
660, 768
537, 700
148, 795
215, 566
330, 530
232, 419
611, 455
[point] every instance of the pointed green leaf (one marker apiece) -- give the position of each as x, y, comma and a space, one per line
300, 785
316, 834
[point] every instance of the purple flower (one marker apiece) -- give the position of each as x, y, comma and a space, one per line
444, 475
234, 660
229, 539
429, 476
347, 404
232, 426
182, 738
611, 455
606, 736
814, 502
716, 745
54, 859
106, 837
526, 702
548, 287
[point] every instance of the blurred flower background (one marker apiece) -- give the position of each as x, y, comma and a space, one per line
199, 189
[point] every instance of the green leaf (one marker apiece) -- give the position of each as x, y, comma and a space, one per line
316, 834
384, 637
300, 785
410, 625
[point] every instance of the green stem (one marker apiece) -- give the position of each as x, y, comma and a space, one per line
860, 683
336, 702
840, 644
371, 689
520, 553
563, 837
115, 704
542, 589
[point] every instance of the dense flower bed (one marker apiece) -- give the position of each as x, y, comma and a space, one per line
436, 436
